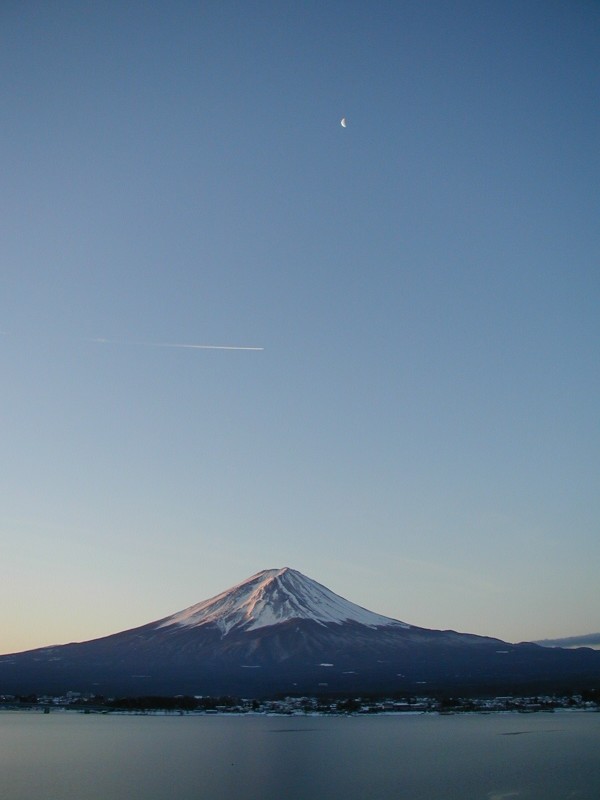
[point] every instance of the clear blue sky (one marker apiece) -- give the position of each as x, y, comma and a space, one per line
421, 431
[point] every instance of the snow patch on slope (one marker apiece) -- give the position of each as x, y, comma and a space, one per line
271, 597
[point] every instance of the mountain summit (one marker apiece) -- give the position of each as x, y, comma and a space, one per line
279, 632
272, 597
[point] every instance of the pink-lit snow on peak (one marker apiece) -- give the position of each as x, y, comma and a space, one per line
271, 597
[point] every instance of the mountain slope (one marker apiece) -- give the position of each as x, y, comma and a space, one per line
279, 632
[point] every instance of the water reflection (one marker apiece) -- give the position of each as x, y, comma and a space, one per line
75, 757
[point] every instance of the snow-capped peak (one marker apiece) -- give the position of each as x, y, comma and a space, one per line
271, 597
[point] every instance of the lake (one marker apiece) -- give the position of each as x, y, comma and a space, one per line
70, 756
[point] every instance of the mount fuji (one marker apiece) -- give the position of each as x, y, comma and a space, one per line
279, 632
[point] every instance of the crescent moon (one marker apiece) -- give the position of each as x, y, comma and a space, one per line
343, 122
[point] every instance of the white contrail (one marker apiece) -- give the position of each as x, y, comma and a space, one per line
175, 344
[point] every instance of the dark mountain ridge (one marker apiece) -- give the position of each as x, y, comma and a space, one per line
282, 633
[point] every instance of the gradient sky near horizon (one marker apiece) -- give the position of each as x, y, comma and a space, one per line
421, 431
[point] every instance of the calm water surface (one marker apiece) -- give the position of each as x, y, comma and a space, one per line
69, 756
